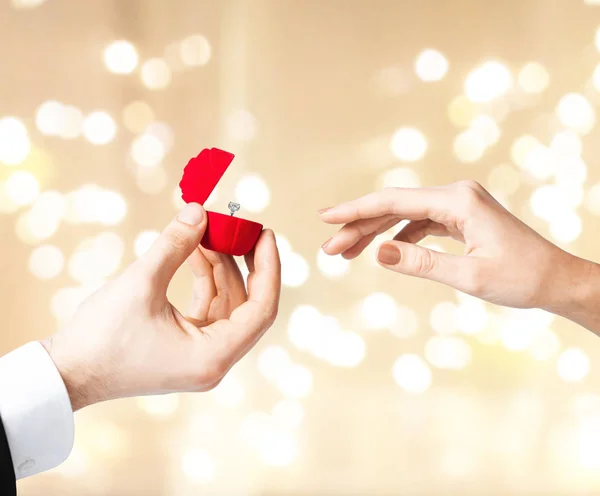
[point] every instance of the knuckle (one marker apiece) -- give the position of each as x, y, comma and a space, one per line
423, 262
469, 198
471, 184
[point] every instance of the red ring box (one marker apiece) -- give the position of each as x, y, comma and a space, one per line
224, 233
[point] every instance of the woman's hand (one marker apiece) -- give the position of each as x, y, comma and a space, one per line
504, 261
129, 340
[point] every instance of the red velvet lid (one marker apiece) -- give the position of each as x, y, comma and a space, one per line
202, 174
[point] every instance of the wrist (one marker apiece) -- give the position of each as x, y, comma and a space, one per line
81, 387
574, 291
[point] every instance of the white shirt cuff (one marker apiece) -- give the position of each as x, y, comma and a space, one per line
35, 410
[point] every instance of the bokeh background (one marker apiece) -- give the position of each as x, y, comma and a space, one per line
369, 383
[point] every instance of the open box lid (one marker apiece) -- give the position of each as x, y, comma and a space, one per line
202, 174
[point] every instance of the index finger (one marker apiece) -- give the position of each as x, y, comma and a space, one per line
250, 320
407, 203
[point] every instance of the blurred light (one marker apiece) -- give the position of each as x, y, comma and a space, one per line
198, 466
431, 65
576, 112
163, 132
412, 374
379, 310
573, 365
516, 338
567, 227
93, 204
521, 147
294, 381
144, 241
347, 349
22, 187
160, 406
96, 258
46, 262
471, 316
462, 111
195, 50
252, 193
571, 172
241, 126
448, 352
487, 128
443, 317
504, 179
304, 323
254, 427
156, 74
27, 4
152, 180
137, 116
540, 162
597, 39
400, 177
230, 392
72, 122
147, 150
548, 202
283, 244
545, 345
14, 141
406, 324
533, 78
332, 267
49, 118
120, 57
585, 406
592, 200
44, 218
408, 144
288, 413
278, 449
588, 444
294, 270
469, 146
99, 128
488, 82
113, 208
566, 144
273, 361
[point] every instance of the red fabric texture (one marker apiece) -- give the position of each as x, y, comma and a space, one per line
224, 233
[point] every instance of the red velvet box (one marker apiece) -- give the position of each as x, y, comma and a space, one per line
225, 233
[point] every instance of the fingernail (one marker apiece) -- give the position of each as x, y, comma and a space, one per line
388, 254
192, 214
323, 210
324, 245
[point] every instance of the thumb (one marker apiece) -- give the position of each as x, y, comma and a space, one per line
175, 244
414, 260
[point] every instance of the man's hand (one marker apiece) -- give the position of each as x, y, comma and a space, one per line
128, 340
504, 261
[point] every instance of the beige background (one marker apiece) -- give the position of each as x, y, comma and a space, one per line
326, 84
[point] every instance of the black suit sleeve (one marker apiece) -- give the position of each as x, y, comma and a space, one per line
7, 472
